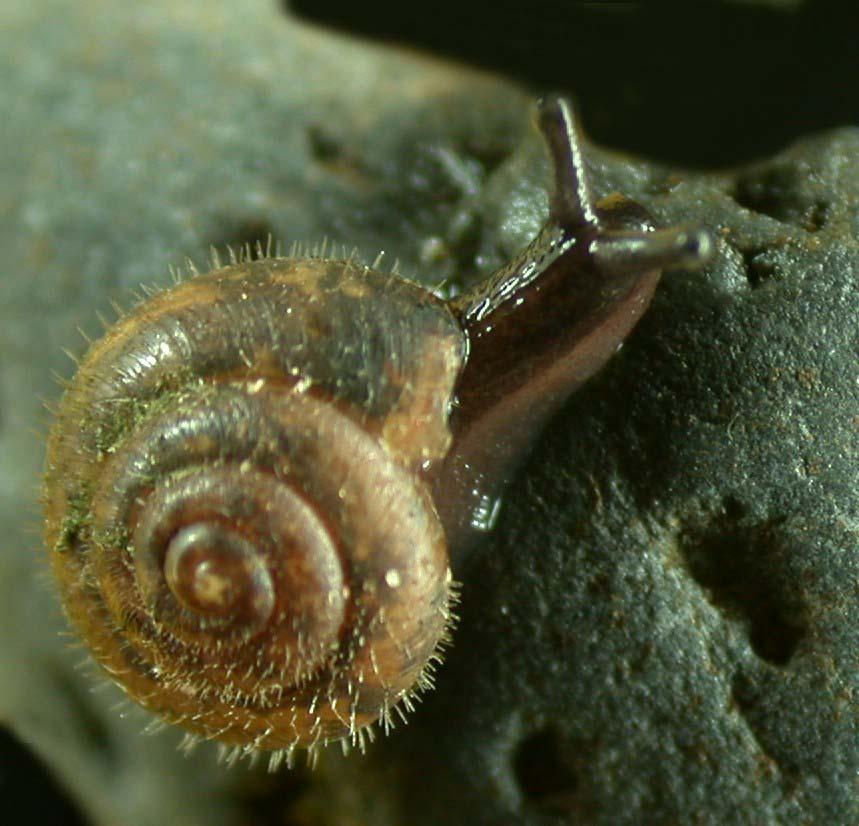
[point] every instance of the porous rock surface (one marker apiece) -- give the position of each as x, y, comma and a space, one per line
662, 628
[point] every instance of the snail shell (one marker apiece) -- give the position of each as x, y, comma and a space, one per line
254, 479
220, 475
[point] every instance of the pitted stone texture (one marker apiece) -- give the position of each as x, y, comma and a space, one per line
663, 629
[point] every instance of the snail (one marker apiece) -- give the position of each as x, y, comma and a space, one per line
255, 480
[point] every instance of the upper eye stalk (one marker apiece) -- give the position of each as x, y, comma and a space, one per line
571, 205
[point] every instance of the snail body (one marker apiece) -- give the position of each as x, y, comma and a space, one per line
255, 480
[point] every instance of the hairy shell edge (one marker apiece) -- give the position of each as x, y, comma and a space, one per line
217, 338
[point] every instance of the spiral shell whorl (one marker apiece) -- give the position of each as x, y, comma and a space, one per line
233, 499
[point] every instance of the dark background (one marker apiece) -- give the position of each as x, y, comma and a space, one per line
700, 83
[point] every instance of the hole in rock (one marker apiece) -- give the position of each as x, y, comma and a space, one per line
543, 771
324, 147
243, 236
758, 268
739, 564
781, 192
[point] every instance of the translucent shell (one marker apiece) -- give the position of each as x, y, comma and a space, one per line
233, 504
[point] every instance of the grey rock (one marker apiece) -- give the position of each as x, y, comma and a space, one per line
663, 627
